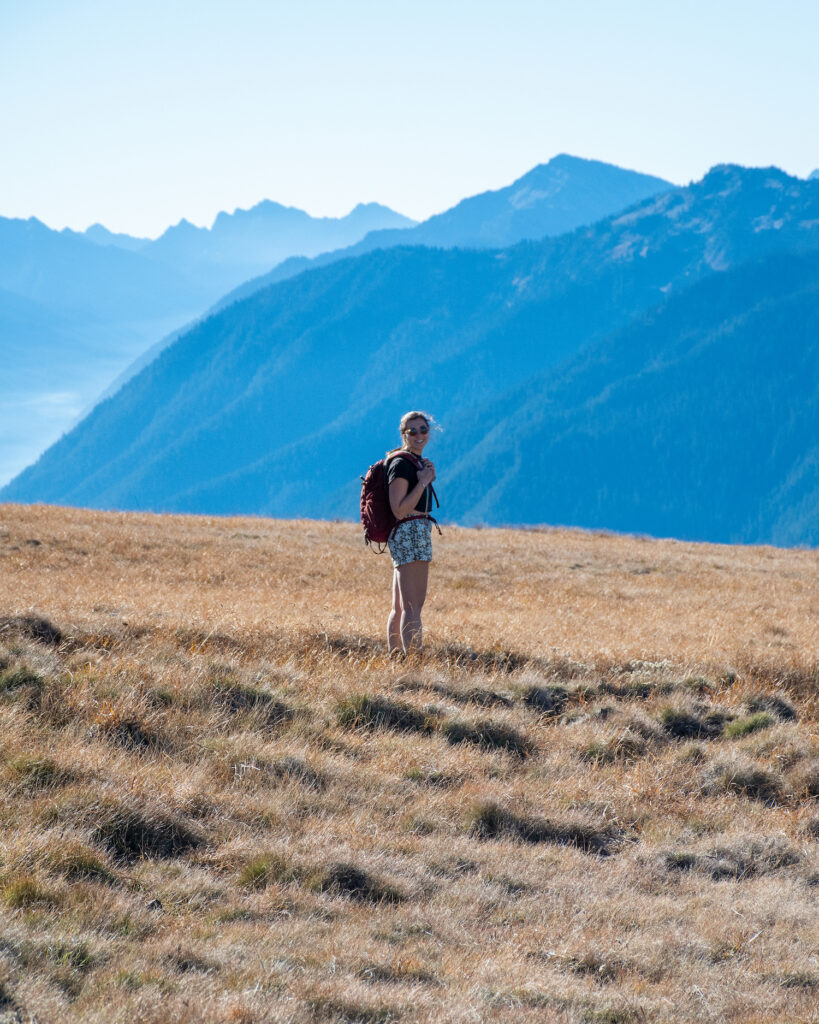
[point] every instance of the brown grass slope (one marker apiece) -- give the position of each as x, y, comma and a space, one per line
593, 798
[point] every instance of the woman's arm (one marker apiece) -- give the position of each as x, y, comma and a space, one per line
403, 500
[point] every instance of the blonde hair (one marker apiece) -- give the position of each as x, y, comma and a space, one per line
425, 416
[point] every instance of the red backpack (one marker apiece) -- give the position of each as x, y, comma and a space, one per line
376, 513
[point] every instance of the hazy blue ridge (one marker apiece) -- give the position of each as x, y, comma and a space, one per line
243, 243
100, 235
551, 199
99, 301
603, 378
68, 272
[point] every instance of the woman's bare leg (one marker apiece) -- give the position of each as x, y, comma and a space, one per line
394, 620
412, 586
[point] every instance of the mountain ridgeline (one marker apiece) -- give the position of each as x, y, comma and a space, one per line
553, 198
77, 309
654, 372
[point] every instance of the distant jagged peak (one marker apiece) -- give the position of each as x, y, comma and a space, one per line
371, 208
101, 235
184, 225
814, 175
267, 212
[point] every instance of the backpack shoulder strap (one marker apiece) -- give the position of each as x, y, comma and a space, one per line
399, 453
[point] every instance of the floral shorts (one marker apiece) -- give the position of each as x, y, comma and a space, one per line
411, 542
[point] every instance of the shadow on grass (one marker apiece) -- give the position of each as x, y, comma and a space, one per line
364, 711
487, 820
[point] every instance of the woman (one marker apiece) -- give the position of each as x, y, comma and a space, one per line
410, 490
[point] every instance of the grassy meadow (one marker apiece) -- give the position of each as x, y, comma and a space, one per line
591, 799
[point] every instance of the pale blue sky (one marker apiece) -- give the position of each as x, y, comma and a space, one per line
136, 114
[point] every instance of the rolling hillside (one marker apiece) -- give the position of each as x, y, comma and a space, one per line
591, 799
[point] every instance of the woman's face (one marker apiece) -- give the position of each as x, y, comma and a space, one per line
417, 441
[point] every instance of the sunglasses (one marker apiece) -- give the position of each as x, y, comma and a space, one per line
412, 431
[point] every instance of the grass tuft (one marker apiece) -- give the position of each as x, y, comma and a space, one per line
488, 820
78, 862
745, 726
365, 711
804, 781
774, 704
348, 1011
14, 681
33, 772
747, 858
344, 879
264, 871
299, 771
807, 980
403, 969
693, 724
131, 831
228, 694
33, 627
486, 734
24, 891
496, 660
744, 780
624, 747
548, 700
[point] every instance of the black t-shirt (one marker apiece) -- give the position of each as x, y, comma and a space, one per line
403, 467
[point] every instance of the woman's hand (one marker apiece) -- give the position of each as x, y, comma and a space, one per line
427, 473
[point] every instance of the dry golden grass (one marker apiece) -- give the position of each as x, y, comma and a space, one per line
592, 799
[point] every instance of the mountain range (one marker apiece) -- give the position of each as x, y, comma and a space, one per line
76, 309
655, 372
551, 199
